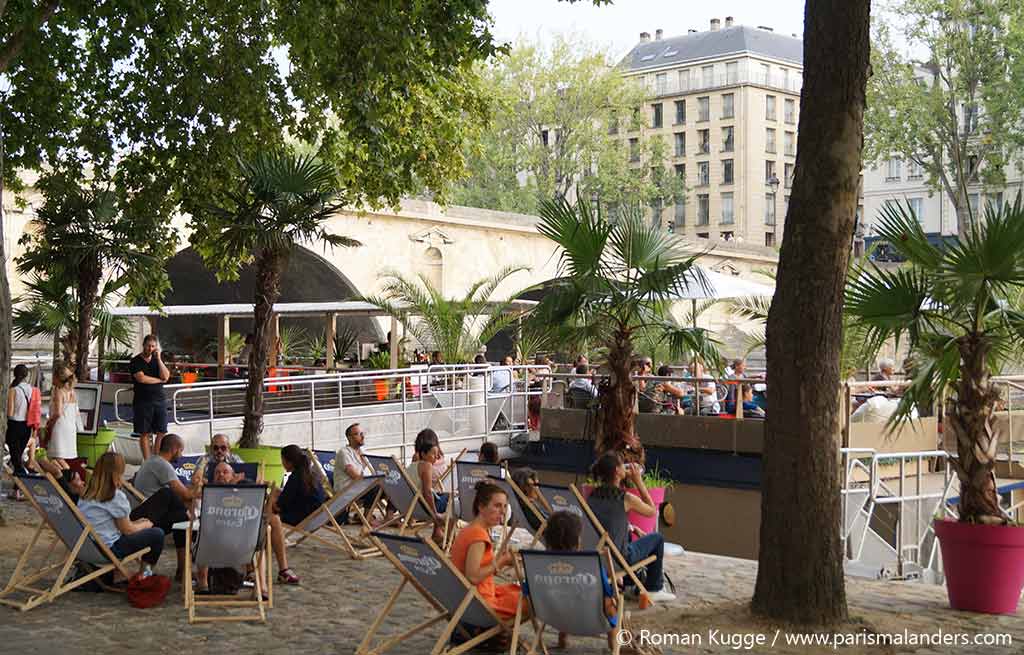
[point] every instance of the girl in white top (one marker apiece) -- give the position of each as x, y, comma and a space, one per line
63, 444
18, 431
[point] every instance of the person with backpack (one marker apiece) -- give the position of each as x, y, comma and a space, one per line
19, 427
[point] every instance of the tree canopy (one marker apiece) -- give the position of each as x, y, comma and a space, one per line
956, 112
562, 121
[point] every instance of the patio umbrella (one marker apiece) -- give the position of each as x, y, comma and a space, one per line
719, 286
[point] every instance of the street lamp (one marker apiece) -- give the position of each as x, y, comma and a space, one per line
773, 184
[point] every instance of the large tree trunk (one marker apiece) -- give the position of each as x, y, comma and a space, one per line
800, 572
269, 267
616, 418
963, 214
971, 419
89, 276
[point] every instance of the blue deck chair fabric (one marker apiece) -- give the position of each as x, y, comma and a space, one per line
185, 468
567, 590
326, 459
231, 523
561, 499
397, 487
249, 469
467, 475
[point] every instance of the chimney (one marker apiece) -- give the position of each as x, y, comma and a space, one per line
765, 28
715, 24
645, 37
657, 34
728, 21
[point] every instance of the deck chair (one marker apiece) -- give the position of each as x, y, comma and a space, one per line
401, 492
232, 534
439, 482
186, 467
566, 591
519, 505
324, 519
429, 571
72, 530
464, 481
324, 462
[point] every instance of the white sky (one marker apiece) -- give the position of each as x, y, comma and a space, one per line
618, 26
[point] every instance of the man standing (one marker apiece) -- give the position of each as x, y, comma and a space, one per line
501, 378
167, 499
149, 413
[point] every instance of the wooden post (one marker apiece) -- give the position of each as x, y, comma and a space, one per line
152, 324
393, 342
223, 331
330, 333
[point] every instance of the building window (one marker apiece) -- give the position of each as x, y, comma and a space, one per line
769, 239
684, 80
914, 170
728, 217
703, 235
704, 142
681, 172
769, 140
732, 72
707, 74
769, 209
893, 172
680, 144
769, 108
703, 173
790, 143
634, 149
788, 175
727, 171
726, 236
994, 201
789, 111
433, 267
728, 143
703, 209
680, 215
728, 105
680, 112
769, 171
970, 118
661, 83
656, 118
917, 206
785, 77
544, 137
765, 74
704, 108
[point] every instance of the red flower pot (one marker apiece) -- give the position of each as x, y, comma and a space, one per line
984, 565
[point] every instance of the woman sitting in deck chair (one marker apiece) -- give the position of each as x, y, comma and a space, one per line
610, 502
562, 534
421, 471
302, 495
106, 507
473, 552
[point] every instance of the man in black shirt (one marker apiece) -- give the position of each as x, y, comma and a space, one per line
149, 413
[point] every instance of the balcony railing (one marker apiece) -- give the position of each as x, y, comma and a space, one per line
773, 81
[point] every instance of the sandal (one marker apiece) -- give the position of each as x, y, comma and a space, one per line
285, 576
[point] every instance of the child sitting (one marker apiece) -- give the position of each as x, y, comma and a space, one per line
562, 533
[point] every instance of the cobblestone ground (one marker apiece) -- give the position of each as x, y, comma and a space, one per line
338, 598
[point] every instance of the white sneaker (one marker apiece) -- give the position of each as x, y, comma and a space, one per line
661, 596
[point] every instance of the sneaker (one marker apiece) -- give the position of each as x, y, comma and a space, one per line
660, 596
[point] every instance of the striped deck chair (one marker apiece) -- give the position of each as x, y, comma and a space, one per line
232, 533
324, 519
455, 601
71, 529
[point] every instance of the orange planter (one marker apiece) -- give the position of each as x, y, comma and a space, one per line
382, 389
189, 377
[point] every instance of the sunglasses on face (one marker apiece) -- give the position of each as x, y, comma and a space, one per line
220, 447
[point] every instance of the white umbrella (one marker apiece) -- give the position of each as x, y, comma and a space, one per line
718, 286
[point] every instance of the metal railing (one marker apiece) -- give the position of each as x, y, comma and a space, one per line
460, 402
672, 85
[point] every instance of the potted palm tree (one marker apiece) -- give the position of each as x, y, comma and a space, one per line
618, 279
951, 303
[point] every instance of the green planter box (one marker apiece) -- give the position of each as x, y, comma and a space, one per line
91, 446
271, 458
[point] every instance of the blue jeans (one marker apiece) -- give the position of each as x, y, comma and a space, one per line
440, 502
132, 543
645, 546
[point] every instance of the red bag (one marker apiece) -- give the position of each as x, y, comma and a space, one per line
149, 591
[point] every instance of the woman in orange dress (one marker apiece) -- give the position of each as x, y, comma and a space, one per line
473, 553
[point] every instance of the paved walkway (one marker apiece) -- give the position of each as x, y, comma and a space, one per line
338, 597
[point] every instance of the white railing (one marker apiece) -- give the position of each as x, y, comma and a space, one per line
461, 403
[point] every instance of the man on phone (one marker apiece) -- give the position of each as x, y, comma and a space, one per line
149, 412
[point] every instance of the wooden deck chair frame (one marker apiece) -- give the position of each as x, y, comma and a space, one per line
605, 541
439, 482
406, 522
24, 577
528, 505
453, 617
539, 626
262, 564
358, 548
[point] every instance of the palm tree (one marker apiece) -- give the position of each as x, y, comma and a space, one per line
282, 200
458, 327
49, 307
616, 280
951, 304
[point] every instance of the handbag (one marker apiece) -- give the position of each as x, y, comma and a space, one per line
147, 591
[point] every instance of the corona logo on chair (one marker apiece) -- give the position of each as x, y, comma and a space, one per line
185, 470
40, 490
478, 474
561, 568
408, 550
424, 564
232, 501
